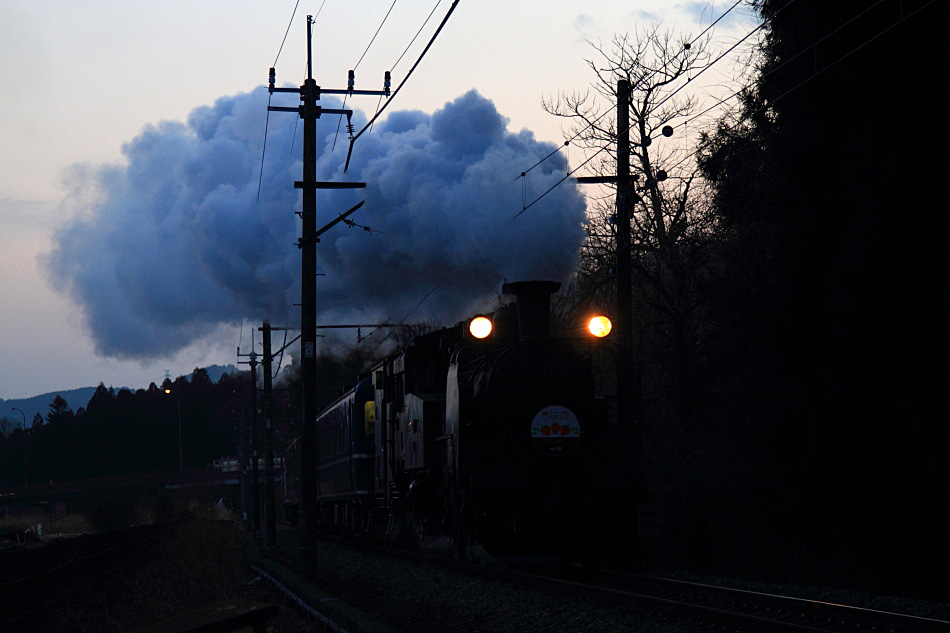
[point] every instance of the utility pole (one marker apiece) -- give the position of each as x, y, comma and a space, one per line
309, 94
254, 512
270, 520
245, 460
628, 385
626, 197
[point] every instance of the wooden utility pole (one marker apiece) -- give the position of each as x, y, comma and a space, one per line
270, 519
625, 195
627, 390
309, 95
251, 474
628, 384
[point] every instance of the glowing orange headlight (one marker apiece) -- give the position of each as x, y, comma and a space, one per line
600, 326
480, 327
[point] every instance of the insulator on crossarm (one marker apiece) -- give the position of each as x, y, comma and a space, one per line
387, 82
351, 80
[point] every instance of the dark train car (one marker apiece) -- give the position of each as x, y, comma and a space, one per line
496, 444
345, 450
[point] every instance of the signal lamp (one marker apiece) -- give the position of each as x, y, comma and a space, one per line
600, 326
480, 327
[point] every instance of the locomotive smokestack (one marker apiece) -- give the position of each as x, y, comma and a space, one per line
534, 306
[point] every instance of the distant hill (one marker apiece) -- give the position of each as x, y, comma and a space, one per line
216, 371
40, 404
77, 397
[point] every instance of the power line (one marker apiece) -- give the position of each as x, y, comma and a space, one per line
408, 46
402, 83
726, 52
594, 122
589, 125
776, 68
803, 82
373, 39
403, 320
822, 70
431, 13
385, 17
260, 176
288, 31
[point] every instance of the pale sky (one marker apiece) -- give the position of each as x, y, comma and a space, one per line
79, 79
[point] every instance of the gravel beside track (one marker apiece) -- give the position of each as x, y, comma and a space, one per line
421, 597
416, 597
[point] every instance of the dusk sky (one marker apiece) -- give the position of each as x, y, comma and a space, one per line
99, 97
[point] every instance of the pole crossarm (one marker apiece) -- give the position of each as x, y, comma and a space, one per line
300, 184
596, 180
299, 110
361, 325
372, 93
316, 236
334, 91
288, 344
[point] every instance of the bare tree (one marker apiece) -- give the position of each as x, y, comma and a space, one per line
670, 215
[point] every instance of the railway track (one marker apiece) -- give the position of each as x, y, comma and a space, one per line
690, 605
748, 610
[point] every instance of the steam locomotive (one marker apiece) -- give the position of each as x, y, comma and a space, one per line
480, 442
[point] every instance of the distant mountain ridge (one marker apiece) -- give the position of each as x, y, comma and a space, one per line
40, 404
77, 398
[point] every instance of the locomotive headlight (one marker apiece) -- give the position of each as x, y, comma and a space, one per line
600, 326
480, 327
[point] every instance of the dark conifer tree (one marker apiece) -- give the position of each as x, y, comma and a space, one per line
830, 290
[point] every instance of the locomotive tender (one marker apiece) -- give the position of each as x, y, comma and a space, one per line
465, 444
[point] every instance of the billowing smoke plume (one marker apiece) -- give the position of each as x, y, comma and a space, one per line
176, 242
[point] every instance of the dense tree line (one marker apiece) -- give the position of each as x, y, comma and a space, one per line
828, 287
127, 432
119, 432
791, 315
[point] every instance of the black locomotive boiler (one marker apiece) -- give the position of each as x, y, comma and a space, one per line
490, 441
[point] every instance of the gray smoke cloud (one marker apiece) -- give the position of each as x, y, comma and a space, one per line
175, 243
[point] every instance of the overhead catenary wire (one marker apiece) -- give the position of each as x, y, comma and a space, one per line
406, 50
603, 149
260, 176
373, 39
414, 37
772, 101
408, 314
281, 359
818, 72
357, 65
402, 83
772, 70
606, 112
288, 31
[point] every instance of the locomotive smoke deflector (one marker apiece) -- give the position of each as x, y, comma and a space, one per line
534, 306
